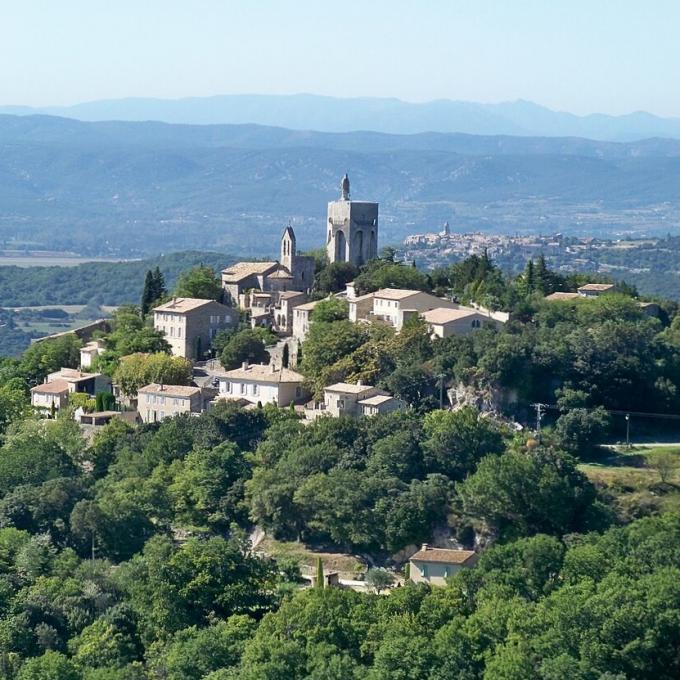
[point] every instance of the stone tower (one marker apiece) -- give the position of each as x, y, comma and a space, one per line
288, 249
352, 229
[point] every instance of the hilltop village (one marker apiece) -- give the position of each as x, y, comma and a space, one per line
278, 297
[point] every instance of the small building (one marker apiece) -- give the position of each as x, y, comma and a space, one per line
348, 399
156, 402
444, 322
380, 404
50, 395
595, 289
54, 392
435, 565
561, 295
190, 324
89, 352
361, 307
397, 305
265, 384
301, 319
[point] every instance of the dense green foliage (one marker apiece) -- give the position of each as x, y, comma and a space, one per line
107, 283
126, 556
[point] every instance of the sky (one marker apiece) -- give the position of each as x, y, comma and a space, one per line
582, 56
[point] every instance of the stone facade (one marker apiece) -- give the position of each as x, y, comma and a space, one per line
190, 324
264, 384
156, 402
351, 229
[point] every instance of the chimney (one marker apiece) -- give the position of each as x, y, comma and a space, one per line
272, 367
360, 383
425, 546
244, 365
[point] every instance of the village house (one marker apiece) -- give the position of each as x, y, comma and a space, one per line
301, 319
261, 383
435, 565
395, 306
444, 322
190, 324
89, 351
156, 402
595, 289
349, 399
54, 392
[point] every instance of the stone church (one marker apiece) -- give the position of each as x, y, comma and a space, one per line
352, 229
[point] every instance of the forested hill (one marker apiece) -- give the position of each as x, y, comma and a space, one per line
101, 283
134, 189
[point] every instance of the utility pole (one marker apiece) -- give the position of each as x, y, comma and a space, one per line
628, 431
539, 417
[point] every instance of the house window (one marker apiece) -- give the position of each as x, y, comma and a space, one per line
256, 389
227, 386
179, 332
243, 388
172, 331
423, 570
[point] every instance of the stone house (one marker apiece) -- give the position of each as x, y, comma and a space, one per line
396, 305
89, 352
435, 565
444, 322
156, 402
595, 289
354, 400
301, 315
265, 384
190, 324
54, 392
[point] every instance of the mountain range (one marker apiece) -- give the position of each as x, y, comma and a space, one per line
332, 114
140, 188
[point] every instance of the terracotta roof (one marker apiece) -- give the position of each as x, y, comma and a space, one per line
280, 274
349, 388
562, 296
170, 390
367, 296
444, 555
182, 305
308, 306
395, 293
74, 375
262, 373
242, 270
441, 315
599, 287
377, 400
287, 294
55, 387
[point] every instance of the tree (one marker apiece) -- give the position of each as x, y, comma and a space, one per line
665, 463
320, 581
379, 579
147, 293
200, 282
50, 666
332, 309
285, 356
136, 370
334, 277
521, 494
14, 402
246, 345
47, 356
458, 440
580, 431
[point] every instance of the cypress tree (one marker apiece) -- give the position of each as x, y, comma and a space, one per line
319, 574
298, 361
148, 293
285, 356
159, 288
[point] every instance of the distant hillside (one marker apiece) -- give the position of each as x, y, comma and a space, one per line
330, 114
101, 283
128, 189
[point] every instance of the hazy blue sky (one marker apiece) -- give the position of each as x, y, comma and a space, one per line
612, 56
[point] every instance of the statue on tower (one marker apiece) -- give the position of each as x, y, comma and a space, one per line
344, 186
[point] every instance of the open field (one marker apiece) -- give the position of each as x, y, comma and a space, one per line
347, 565
633, 478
